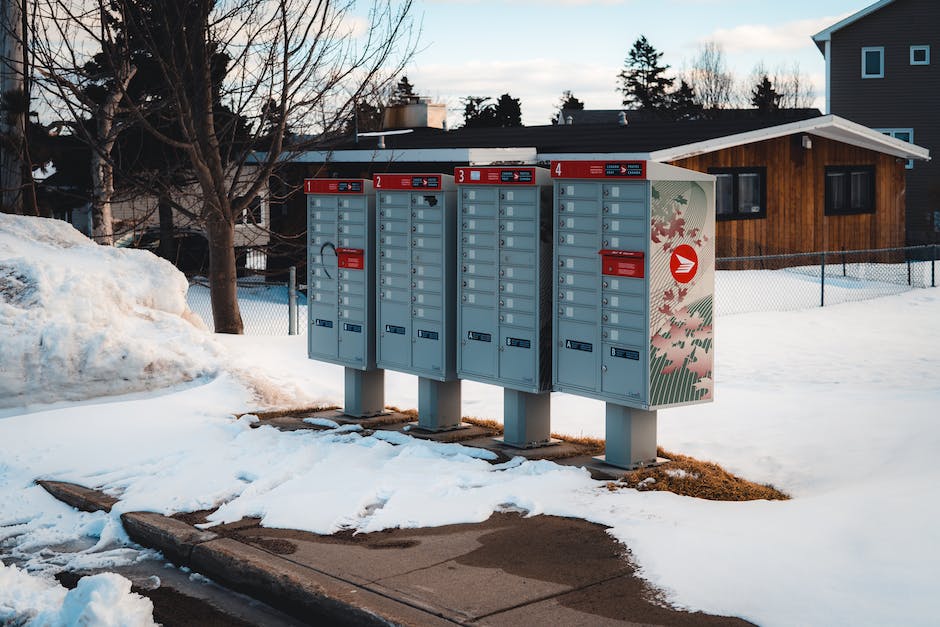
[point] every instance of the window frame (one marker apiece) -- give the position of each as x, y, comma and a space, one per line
925, 48
881, 51
245, 219
848, 169
761, 171
893, 132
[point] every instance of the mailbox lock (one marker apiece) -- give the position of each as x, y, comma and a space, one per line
415, 228
502, 288
464, 240
464, 298
605, 284
414, 299
464, 268
502, 318
561, 311
501, 304
502, 227
561, 223
561, 240
561, 279
561, 263
604, 335
414, 242
381, 227
606, 317
603, 368
464, 225
606, 193
413, 284
606, 226
382, 253
604, 301
383, 281
464, 284
502, 242
606, 243
502, 273
414, 271
606, 209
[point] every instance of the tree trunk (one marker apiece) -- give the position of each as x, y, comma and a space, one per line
165, 211
102, 183
12, 120
222, 288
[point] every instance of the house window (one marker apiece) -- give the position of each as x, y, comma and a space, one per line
850, 189
904, 134
254, 212
920, 55
740, 193
873, 62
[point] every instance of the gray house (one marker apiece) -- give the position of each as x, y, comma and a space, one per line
883, 71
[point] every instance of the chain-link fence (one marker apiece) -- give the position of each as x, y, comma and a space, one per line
800, 281
265, 306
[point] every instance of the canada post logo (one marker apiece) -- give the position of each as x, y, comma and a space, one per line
684, 263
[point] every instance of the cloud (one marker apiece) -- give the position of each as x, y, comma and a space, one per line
757, 37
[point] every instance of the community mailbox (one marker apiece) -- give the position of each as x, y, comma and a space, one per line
504, 291
634, 284
341, 287
417, 289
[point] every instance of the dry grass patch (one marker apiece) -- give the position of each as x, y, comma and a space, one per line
688, 476
281, 413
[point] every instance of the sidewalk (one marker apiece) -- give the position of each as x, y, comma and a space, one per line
508, 570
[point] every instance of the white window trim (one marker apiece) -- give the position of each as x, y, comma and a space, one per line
925, 49
893, 132
881, 51
244, 221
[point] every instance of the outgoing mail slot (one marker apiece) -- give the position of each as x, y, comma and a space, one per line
351, 258
623, 263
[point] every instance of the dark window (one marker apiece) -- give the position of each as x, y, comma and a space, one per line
850, 189
873, 62
253, 213
740, 192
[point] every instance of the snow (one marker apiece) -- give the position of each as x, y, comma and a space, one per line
836, 405
103, 600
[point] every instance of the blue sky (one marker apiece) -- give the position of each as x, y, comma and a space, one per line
534, 50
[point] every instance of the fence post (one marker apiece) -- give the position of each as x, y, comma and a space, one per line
933, 267
908, 270
822, 280
843, 263
292, 301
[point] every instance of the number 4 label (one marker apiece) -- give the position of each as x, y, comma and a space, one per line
558, 169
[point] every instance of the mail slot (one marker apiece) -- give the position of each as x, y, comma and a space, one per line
622, 263
633, 282
351, 258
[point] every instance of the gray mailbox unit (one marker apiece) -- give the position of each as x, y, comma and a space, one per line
341, 287
417, 289
504, 290
633, 293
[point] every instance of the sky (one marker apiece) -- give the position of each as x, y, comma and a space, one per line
535, 50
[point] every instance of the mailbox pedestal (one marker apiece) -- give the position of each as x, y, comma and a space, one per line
503, 319
633, 291
416, 272
341, 287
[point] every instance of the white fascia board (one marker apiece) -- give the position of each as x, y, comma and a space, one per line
830, 126
664, 172
826, 34
545, 157
472, 156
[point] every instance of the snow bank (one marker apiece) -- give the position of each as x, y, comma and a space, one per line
103, 600
78, 320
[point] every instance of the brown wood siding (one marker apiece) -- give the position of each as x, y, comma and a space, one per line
796, 220
907, 97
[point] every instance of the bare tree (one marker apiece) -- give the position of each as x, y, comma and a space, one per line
238, 75
795, 87
86, 85
709, 77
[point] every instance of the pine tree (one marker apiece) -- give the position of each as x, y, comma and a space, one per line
764, 96
683, 103
508, 111
478, 112
568, 103
644, 84
402, 93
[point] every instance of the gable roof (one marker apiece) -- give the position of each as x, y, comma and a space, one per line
825, 35
658, 141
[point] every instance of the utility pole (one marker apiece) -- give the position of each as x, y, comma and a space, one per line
12, 118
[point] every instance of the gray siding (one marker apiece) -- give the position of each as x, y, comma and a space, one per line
907, 97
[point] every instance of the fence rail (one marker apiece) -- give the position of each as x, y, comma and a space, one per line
743, 284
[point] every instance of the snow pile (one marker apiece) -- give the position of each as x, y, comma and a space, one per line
103, 600
78, 320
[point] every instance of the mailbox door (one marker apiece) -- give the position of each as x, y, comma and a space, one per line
322, 278
394, 279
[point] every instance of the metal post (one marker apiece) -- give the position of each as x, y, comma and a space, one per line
526, 419
365, 393
631, 437
438, 405
933, 267
822, 281
292, 301
908, 270
843, 263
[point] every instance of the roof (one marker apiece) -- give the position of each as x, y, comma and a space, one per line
825, 35
658, 141
612, 116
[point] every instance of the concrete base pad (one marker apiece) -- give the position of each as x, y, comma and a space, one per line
374, 422
533, 445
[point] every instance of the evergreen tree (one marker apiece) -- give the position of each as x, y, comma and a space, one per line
478, 112
568, 102
644, 83
508, 111
402, 93
764, 97
683, 103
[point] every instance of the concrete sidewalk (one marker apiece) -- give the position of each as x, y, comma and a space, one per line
509, 570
